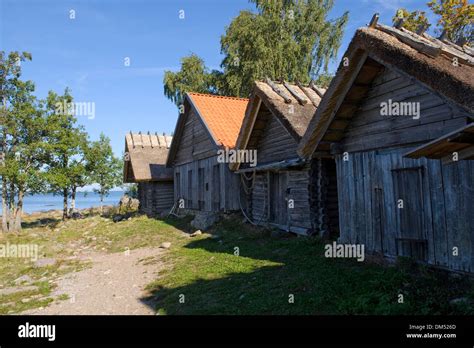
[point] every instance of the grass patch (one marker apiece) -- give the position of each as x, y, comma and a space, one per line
235, 268
269, 271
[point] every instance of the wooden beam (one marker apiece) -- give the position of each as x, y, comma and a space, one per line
419, 43
314, 101
278, 90
374, 20
300, 98
462, 155
318, 90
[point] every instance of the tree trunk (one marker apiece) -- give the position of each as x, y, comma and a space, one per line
11, 207
5, 208
19, 211
65, 204
73, 200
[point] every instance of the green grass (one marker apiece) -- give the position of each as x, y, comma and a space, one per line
268, 270
214, 280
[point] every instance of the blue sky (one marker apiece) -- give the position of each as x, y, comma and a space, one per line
88, 53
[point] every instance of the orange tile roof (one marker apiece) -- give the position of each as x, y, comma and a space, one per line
222, 115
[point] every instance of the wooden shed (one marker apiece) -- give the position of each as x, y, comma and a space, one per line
145, 164
277, 187
399, 108
209, 125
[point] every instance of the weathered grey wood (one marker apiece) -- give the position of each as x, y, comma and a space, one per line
155, 197
417, 42
368, 193
301, 98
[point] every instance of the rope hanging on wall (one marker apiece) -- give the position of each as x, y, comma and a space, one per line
248, 191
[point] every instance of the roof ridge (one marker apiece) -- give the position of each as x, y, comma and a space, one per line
217, 96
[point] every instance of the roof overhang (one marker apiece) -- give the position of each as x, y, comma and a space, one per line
456, 145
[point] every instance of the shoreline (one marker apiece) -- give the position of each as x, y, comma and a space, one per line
95, 209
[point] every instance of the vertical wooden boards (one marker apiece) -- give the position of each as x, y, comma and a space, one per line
438, 205
260, 198
298, 185
208, 185
458, 192
216, 187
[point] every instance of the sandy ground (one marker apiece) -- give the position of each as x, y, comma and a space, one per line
113, 285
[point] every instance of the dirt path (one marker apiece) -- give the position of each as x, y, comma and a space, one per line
113, 285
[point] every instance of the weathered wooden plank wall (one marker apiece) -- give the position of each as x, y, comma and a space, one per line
204, 183
369, 214
368, 129
217, 188
155, 197
275, 144
195, 142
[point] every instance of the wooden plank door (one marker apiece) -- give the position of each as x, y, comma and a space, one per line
278, 205
408, 187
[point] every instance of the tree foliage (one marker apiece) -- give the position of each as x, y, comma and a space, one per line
456, 18
193, 76
412, 20
66, 143
291, 40
105, 169
21, 134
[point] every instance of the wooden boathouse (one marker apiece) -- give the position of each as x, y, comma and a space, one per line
145, 164
279, 189
209, 125
398, 120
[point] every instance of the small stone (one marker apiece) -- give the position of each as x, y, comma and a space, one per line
197, 233
25, 300
23, 279
9, 291
45, 262
165, 245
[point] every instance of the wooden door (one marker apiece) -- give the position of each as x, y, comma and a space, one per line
278, 186
408, 188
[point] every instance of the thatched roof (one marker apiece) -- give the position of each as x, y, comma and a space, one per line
145, 158
293, 104
439, 65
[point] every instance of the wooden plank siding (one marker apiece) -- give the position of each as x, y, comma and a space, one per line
155, 197
438, 200
203, 183
276, 143
195, 142
368, 129
273, 189
443, 205
206, 193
